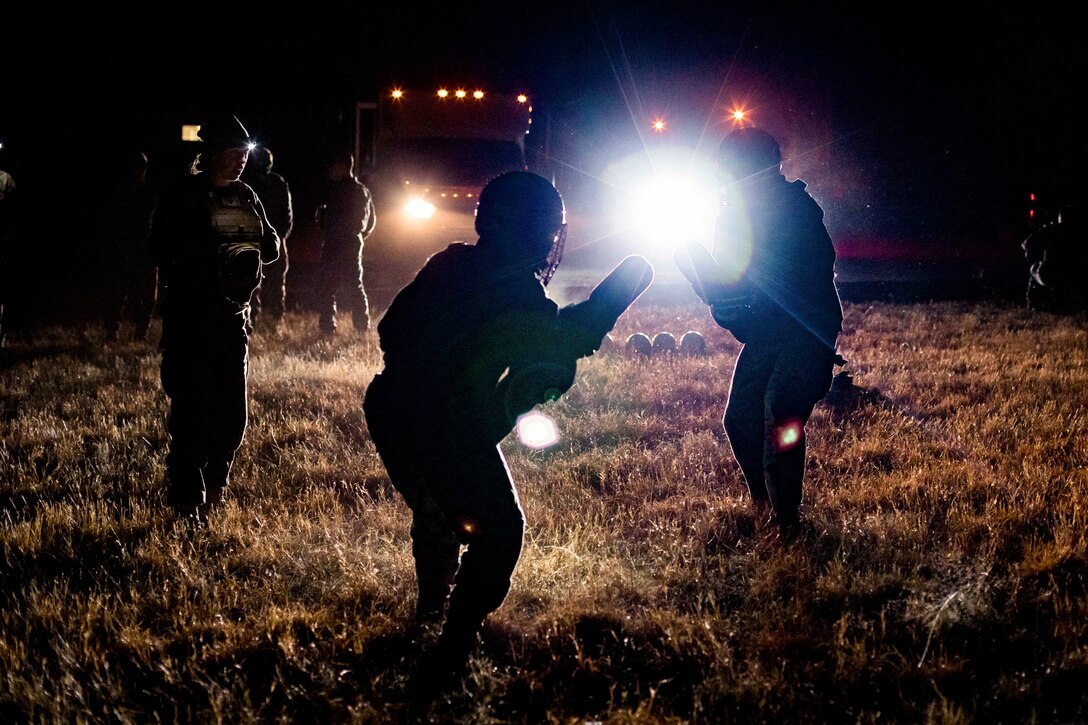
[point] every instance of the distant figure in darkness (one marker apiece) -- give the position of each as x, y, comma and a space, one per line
346, 217
469, 345
771, 282
209, 238
8, 223
1057, 255
275, 194
128, 206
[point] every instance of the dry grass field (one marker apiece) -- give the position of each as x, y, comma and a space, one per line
943, 577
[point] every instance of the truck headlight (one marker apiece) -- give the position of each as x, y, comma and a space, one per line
419, 208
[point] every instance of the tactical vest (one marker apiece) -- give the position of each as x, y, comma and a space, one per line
238, 231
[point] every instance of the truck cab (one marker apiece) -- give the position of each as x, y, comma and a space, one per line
426, 154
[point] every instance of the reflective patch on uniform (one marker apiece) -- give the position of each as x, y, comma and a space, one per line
232, 218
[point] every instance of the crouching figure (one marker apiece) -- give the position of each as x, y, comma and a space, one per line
471, 344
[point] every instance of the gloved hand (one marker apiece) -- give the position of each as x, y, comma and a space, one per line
730, 300
541, 382
585, 324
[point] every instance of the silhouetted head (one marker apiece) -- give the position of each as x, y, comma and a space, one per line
341, 164
138, 166
260, 159
521, 215
746, 153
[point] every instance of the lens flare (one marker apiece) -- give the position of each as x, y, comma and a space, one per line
536, 430
789, 435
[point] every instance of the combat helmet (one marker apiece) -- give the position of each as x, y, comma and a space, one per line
260, 159
746, 153
524, 208
223, 131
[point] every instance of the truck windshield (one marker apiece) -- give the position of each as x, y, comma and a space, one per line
456, 162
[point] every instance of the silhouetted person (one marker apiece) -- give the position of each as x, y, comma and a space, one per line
346, 218
209, 238
469, 345
771, 282
8, 221
127, 208
1057, 255
275, 194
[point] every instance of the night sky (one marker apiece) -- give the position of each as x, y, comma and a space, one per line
935, 123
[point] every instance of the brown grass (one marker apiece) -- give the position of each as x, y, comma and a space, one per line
944, 578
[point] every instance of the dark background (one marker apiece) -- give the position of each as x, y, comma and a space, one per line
913, 124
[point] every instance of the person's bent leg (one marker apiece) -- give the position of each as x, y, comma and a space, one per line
353, 287
483, 506
801, 377
276, 279
744, 420
436, 549
325, 296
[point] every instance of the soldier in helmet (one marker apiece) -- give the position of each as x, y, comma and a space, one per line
469, 345
346, 217
127, 209
275, 195
209, 238
1057, 255
771, 282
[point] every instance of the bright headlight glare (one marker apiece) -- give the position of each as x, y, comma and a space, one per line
418, 208
671, 208
664, 200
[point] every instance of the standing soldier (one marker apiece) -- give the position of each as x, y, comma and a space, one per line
8, 211
346, 218
275, 195
1057, 256
127, 210
209, 239
771, 282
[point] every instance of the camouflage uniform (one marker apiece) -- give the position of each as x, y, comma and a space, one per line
346, 218
275, 195
209, 244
